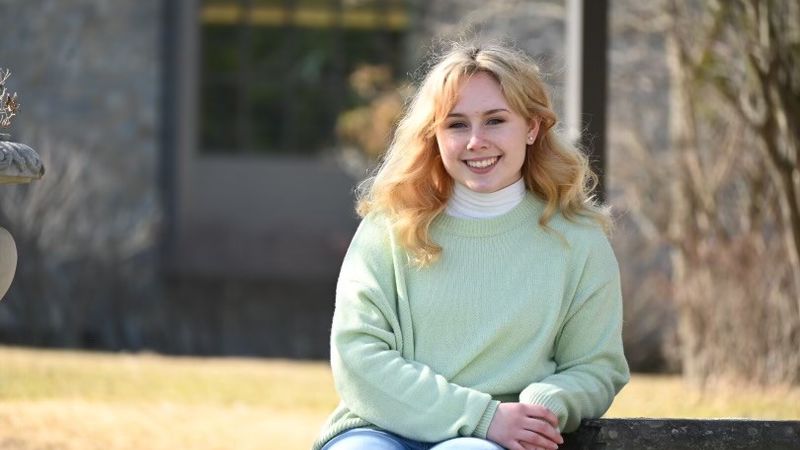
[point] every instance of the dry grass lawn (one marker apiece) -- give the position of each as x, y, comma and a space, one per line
58, 400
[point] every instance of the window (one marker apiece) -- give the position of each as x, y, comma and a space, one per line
275, 72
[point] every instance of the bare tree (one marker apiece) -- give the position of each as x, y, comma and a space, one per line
737, 91
721, 197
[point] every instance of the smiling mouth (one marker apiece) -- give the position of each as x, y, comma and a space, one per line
482, 163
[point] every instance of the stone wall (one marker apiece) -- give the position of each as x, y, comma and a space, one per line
88, 74
638, 125
537, 27
88, 77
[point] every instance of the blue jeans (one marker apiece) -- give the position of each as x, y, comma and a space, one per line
369, 439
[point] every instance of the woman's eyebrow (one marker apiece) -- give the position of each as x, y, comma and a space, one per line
485, 113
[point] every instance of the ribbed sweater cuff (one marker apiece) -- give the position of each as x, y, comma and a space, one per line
486, 420
550, 402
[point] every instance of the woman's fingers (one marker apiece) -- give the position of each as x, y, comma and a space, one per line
531, 439
542, 428
542, 412
516, 445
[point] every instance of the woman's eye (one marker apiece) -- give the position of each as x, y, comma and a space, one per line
495, 121
457, 125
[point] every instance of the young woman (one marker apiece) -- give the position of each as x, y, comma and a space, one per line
478, 306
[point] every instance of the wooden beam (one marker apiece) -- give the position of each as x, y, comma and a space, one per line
587, 81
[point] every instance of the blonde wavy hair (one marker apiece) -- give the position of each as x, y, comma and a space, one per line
411, 185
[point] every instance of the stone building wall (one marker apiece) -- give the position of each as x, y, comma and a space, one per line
537, 27
88, 74
88, 77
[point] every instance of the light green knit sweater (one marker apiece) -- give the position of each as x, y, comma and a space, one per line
510, 312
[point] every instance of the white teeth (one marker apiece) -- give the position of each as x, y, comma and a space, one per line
483, 163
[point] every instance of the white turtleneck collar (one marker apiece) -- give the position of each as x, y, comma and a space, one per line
468, 204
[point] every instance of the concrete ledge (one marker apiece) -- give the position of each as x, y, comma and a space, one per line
678, 434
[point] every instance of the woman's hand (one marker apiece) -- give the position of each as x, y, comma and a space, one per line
520, 426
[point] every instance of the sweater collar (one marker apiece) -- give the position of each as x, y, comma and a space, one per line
527, 212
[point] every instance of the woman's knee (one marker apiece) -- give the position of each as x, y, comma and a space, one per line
364, 439
467, 443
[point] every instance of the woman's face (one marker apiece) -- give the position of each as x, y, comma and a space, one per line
482, 141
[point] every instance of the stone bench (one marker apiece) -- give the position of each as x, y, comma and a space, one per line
679, 434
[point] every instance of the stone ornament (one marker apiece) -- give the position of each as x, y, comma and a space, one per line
18, 164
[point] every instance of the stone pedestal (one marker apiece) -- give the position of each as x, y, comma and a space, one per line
8, 261
18, 164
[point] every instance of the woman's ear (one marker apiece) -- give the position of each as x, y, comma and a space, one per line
533, 131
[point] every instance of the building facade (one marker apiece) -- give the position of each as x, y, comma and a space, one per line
196, 199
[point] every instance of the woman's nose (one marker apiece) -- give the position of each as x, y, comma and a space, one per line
476, 141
